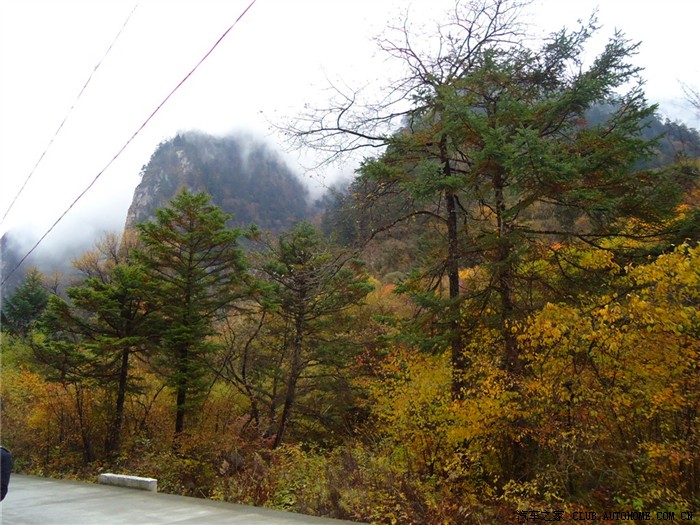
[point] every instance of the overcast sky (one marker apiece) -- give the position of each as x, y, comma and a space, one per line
272, 63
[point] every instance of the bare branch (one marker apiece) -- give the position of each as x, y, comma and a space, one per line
429, 60
692, 95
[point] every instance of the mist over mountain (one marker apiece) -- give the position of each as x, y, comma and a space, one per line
250, 181
9, 258
244, 177
52, 259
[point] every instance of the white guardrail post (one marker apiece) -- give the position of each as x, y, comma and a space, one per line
133, 482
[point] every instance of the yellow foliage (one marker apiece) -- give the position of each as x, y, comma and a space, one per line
616, 380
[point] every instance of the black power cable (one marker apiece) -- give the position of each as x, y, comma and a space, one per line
75, 102
121, 150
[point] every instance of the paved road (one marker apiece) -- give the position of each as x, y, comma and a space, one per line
40, 501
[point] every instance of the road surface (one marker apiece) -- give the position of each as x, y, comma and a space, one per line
39, 501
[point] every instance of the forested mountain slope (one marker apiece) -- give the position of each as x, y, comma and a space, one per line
245, 179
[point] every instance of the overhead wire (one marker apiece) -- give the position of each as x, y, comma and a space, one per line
133, 136
65, 118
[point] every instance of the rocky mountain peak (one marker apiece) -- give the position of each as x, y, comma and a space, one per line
244, 177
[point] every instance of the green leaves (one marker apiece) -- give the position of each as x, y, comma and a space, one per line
194, 271
313, 287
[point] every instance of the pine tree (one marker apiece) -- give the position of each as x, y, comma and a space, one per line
194, 271
313, 287
93, 335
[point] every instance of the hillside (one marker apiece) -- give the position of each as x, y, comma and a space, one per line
245, 178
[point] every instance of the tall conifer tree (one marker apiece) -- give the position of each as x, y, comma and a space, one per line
194, 269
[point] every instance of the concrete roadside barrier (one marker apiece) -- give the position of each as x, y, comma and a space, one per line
38, 501
133, 482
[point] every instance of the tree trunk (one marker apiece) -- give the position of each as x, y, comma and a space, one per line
290, 395
181, 399
180, 410
115, 432
88, 452
294, 372
458, 360
511, 361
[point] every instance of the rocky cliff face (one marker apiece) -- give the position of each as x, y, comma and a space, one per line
244, 178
